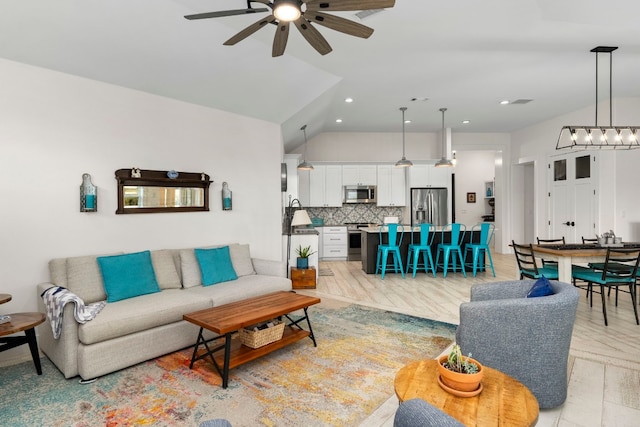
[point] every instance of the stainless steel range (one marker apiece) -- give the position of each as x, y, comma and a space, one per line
354, 252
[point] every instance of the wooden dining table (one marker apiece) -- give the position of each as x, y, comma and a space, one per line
566, 255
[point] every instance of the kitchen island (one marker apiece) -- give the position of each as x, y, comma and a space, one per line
370, 239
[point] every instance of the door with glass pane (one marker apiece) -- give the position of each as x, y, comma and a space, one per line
572, 197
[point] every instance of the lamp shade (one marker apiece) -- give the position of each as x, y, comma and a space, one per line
300, 217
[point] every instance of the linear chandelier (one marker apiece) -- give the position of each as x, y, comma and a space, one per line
597, 136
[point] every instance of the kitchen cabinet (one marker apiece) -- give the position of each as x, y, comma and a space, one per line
334, 243
391, 186
429, 176
321, 187
359, 175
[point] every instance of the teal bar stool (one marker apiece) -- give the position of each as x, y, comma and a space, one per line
423, 247
395, 233
450, 249
484, 232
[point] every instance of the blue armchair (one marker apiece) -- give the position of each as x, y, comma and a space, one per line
526, 338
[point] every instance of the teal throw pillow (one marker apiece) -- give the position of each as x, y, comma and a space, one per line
215, 265
541, 288
127, 276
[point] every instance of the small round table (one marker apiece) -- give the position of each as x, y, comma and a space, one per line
4, 298
22, 322
504, 401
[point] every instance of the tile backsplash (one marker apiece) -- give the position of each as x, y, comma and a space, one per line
362, 213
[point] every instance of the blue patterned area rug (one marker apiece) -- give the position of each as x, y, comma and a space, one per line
340, 382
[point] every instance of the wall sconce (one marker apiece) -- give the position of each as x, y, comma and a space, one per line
88, 195
226, 197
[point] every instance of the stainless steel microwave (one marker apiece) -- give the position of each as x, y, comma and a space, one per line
360, 194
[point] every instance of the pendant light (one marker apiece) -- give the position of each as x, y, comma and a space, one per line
304, 166
403, 162
596, 136
444, 162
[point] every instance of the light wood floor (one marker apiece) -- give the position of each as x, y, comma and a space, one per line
604, 377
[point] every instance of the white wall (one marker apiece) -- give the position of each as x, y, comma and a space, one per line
372, 147
473, 169
55, 127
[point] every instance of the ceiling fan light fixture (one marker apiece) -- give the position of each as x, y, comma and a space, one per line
286, 10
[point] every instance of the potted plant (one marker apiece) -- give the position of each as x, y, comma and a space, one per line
303, 256
459, 373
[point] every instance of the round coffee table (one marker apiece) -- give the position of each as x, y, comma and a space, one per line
22, 322
503, 400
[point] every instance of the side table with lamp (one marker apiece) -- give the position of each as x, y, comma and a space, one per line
296, 220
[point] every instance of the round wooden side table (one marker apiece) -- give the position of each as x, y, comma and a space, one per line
4, 298
504, 401
22, 322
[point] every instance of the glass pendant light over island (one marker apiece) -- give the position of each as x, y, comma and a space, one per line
403, 163
444, 162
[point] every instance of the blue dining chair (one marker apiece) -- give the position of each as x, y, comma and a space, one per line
449, 250
619, 270
394, 233
481, 235
527, 265
423, 247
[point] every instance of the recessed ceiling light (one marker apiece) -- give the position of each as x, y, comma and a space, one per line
407, 121
504, 102
420, 98
466, 122
348, 100
338, 120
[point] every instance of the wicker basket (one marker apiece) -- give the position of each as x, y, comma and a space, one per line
255, 339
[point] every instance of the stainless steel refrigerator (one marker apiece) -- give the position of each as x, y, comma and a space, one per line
429, 205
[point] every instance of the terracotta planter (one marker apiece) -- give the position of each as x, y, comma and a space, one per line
462, 382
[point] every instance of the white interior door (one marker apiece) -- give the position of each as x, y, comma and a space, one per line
573, 197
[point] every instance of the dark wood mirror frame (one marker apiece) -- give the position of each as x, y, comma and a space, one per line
161, 180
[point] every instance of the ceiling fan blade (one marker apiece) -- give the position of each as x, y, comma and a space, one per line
313, 36
342, 5
250, 30
280, 39
339, 24
225, 13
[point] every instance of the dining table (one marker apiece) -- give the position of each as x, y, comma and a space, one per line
568, 254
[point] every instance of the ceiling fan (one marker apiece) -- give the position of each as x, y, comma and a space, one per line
283, 12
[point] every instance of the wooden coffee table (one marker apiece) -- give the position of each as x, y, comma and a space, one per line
229, 318
504, 401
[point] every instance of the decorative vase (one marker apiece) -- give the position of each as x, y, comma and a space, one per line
303, 263
465, 383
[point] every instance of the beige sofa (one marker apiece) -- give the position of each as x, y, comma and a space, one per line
133, 330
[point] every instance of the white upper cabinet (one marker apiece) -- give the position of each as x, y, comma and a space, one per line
391, 186
429, 176
359, 175
325, 186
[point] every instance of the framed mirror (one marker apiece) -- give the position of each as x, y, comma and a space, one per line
150, 191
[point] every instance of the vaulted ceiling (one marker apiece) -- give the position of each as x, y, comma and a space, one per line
465, 55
